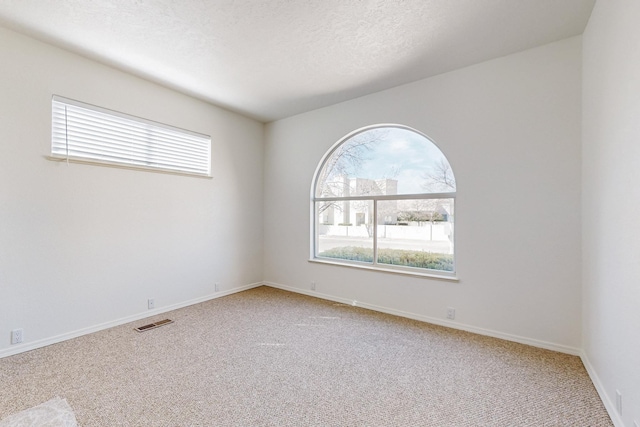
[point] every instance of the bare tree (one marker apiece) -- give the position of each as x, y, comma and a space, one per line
440, 178
420, 210
343, 163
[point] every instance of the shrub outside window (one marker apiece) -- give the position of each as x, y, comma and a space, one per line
384, 197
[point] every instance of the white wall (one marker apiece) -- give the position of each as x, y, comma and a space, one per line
510, 128
82, 245
611, 203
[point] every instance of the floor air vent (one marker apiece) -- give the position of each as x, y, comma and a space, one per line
153, 325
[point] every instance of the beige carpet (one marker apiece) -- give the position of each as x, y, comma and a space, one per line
266, 357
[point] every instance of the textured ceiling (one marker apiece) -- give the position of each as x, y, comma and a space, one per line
270, 59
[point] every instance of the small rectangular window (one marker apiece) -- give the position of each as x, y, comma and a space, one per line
87, 133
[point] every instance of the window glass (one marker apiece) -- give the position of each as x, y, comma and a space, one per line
416, 233
340, 238
385, 160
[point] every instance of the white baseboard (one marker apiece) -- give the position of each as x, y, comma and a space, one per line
455, 325
609, 404
147, 313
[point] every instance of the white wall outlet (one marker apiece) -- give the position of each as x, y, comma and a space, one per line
17, 336
313, 286
635, 424
151, 304
216, 287
451, 313
619, 402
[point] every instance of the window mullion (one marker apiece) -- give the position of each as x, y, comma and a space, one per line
424, 196
375, 231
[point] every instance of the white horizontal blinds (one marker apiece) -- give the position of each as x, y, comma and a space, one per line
85, 132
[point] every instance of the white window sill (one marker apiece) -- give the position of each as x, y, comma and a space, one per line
406, 272
123, 166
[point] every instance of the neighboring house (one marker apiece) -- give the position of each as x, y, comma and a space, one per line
359, 212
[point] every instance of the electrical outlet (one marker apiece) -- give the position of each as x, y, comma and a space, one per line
635, 424
151, 304
216, 287
17, 336
313, 286
451, 313
619, 402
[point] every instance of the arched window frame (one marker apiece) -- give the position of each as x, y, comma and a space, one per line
374, 265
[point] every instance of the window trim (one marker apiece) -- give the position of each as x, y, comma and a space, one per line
374, 265
205, 140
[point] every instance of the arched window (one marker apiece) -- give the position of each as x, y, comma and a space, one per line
383, 197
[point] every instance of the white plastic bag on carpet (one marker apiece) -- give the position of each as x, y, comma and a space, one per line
53, 413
